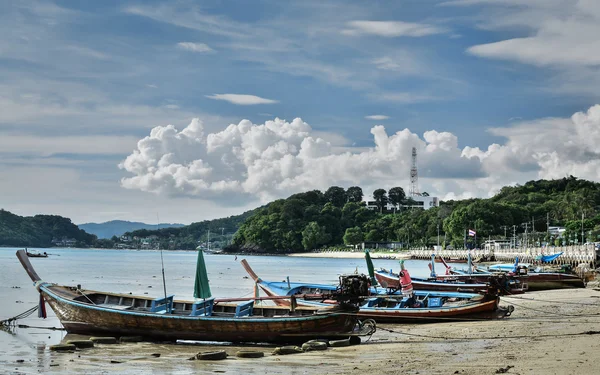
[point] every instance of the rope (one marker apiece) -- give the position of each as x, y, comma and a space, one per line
490, 337
550, 301
10, 321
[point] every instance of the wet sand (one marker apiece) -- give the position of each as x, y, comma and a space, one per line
544, 335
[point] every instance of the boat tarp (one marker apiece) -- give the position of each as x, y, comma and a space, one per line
201, 286
550, 258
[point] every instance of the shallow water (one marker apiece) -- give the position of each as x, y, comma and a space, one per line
139, 273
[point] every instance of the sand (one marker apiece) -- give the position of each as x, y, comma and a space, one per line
359, 254
546, 334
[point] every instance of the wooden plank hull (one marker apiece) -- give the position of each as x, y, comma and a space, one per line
87, 318
471, 310
391, 281
547, 280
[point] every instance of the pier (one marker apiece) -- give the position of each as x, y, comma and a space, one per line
573, 255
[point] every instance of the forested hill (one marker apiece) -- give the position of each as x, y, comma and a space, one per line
41, 231
190, 236
119, 227
315, 219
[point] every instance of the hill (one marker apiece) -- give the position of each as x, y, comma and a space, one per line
315, 219
41, 231
119, 227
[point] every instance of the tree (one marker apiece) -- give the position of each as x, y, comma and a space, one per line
425, 194
354, 194
380, 198
336, 195
396, 196
313, 236
353, 236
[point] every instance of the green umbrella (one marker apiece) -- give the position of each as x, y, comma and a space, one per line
201, 287
370, 268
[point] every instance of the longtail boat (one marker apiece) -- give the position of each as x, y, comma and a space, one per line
422, 307
538, 278
452, 283
92, 312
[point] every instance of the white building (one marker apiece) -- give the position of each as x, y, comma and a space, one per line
421, 201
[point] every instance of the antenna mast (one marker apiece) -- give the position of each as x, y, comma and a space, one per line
414, 175
162, 261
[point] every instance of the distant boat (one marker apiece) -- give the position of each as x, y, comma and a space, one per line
36, 255
207, 319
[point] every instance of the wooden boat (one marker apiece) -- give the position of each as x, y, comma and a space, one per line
236, 320
36, 255
389, 279
451, 260
424, 307
539, 279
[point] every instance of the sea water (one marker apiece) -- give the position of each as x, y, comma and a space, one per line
140, 273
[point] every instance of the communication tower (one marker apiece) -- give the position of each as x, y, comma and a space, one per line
414, 175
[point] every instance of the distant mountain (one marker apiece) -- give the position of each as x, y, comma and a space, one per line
119, 227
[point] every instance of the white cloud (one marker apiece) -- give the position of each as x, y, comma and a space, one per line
275, 159
391, 29
561, 33
278, 158
377, 117
241, 99
403, 97
194, 47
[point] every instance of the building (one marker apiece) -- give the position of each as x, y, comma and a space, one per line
425, 202
420, 201
556, 231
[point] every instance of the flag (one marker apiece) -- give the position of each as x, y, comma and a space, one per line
472, 233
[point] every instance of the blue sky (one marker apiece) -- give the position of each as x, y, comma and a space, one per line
485, 89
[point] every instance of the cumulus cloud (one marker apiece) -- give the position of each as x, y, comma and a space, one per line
391, 29
241, 99
246, 161
277, 158
377, 117
194, 47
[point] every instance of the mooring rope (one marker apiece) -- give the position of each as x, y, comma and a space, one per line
10, 321
489, 337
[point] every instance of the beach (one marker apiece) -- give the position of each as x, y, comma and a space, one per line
546, 333
550, 332
358, 254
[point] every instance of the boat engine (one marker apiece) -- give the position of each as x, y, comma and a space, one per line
352, 289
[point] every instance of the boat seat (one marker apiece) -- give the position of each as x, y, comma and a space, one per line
162, 304
244, 309
372, 302
435, 302
203, 308
403, 302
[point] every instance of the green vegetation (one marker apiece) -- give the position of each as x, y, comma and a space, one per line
313, 219
337, 218
41, 231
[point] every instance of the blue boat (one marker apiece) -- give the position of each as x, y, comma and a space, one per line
421, 307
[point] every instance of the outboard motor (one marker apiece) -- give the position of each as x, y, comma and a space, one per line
352, 289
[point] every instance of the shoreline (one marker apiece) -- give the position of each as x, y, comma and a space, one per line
353, 255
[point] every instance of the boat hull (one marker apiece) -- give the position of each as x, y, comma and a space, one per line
547, 281
391, 281
90, 319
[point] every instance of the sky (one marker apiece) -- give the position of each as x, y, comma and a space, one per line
182, 111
